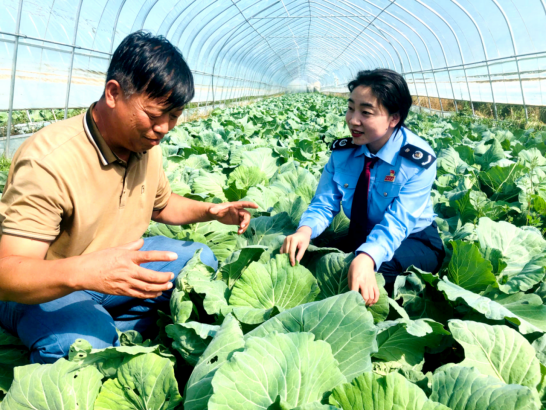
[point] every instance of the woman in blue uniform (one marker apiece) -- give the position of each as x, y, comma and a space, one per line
382, 177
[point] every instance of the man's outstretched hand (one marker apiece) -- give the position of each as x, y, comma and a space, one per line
233, 213
117, 271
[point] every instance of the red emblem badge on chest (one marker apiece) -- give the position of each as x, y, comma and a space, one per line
391, 176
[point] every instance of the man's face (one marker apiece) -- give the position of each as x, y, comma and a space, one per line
144, 121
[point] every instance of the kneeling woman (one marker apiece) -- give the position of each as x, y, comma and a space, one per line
382, 177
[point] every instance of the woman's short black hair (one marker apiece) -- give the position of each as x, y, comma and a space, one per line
390, 89
149, 64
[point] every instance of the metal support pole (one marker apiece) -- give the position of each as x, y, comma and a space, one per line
460, 53
72, 59
13, 72
429, 56
212, 87
207, 99
484, 53
516, 57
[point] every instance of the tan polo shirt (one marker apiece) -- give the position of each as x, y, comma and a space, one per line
66, 186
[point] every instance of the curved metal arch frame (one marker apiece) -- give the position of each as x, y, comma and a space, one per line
366, 43
247, 44
296, 29
102, 16
386, 33
409, 60
231, 59
424, 44
348, 61
306, 54
443, 53
430, 59
148, 5
195, 36
244, 53
340, 29
426, 47
257, 32
384, 38
360, 32
116, 27
164, 27
260, 11
219, 52
254, 74
197, 32
515, 54
47, 26
244, 34
365, 32
224, 44
484, 52
460, 52
142, 15
180, 32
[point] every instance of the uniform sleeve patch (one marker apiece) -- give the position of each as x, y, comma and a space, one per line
343, 143
417, 155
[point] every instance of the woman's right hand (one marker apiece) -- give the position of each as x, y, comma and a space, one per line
298, 241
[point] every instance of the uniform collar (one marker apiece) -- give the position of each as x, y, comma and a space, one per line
389, 152
107, 156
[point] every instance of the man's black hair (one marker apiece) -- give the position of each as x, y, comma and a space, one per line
149, 64
390, 89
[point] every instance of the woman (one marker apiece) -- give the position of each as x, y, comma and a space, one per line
382, 176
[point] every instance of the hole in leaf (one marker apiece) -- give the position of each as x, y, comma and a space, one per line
213, 360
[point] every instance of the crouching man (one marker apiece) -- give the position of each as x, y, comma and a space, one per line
80, 195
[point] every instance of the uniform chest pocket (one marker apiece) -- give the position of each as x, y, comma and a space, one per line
388, 190
345, 181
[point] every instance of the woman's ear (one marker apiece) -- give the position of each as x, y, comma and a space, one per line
395, 119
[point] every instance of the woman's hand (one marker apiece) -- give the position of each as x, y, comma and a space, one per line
361, 278
300, 240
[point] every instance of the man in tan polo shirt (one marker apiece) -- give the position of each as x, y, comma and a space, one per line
81, 193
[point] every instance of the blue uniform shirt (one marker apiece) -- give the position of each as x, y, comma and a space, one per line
399, 201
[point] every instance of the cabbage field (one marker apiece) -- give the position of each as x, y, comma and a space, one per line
261, 334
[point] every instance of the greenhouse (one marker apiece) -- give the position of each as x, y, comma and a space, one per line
275, 204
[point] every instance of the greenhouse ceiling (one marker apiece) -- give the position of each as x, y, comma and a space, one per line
55, 52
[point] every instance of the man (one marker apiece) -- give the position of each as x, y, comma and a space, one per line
79, 196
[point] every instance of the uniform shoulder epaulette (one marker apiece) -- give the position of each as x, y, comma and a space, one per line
417, 155
343, 143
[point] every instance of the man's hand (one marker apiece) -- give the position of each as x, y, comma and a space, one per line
117, 271
233, 213
361, 278
300, 240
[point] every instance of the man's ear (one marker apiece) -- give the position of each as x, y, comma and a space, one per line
395, 119
112, 93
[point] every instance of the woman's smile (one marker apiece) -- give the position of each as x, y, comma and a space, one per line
356, 133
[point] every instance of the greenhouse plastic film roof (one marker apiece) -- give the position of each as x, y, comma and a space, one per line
55, 53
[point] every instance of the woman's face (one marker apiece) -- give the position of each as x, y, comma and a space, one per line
369, 121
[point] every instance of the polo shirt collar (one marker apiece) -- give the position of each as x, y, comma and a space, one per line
107, 156
389, 152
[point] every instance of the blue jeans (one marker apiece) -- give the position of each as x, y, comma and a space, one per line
48, 329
